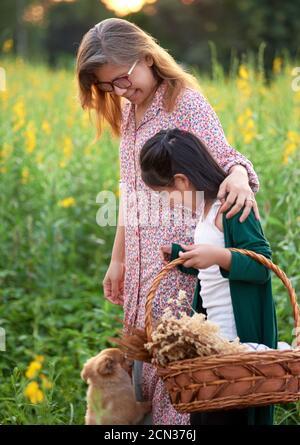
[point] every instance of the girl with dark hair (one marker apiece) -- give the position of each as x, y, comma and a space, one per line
233, 290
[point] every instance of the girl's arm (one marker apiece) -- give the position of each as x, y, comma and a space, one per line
233, 265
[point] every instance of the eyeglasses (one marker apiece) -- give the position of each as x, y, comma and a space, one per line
120, 82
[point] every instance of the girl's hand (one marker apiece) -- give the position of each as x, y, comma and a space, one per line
113, 283
165, 253
235, 189
202, 256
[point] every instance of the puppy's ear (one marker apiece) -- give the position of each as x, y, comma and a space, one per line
106, 366
86, 372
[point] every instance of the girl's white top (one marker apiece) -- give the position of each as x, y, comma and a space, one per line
215, 291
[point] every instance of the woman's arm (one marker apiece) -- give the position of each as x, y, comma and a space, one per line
200, 118
197, 116
118, 251
113, 282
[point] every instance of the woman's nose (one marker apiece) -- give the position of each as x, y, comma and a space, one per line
119, 91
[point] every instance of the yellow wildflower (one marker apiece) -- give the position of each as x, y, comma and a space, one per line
241, 119
30, 137
248, 137
67, 151
243, 72
33, 368
67, 202
247, 125
293, 136
292, 142
250, 124
19, 115
33, 393
68, 147
39, 358
290, 148
243, 81
7, 45
46, 127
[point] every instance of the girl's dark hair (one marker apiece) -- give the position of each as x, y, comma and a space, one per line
175, 151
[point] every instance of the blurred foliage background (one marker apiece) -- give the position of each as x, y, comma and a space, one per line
52, 29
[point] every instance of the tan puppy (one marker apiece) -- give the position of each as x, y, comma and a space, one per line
110, 396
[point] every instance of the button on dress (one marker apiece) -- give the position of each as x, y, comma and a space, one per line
193, 113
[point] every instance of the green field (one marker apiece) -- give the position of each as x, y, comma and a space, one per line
53, 253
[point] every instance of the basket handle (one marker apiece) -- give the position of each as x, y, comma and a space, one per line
256, 256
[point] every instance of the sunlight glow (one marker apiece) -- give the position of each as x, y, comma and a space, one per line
124, 7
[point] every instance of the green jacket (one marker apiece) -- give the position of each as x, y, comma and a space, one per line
251, 292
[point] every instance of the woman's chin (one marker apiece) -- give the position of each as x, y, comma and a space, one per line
136, 98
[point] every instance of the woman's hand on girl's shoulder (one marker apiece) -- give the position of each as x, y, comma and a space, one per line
236, 193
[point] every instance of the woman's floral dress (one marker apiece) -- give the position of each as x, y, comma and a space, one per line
142, 240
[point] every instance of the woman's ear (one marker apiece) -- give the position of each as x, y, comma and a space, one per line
149, 60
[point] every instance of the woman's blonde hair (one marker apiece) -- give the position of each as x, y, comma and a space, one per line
121, 42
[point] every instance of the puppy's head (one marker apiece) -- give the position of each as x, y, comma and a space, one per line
104, 365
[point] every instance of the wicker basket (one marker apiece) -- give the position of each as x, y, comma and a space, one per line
233, 380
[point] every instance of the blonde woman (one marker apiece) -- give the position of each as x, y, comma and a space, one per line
136, 86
